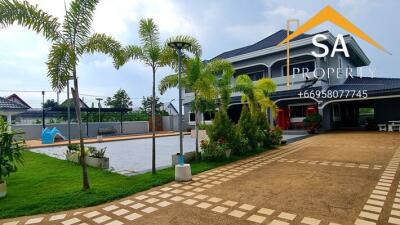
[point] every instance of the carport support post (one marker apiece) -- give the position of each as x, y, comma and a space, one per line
87, 123
121, 121
9, 121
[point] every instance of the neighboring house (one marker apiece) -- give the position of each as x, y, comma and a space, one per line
17, 99
266, 59
9, 108
169, 108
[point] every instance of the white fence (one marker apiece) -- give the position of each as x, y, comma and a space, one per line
33, 131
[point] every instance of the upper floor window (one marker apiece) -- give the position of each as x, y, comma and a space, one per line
298, 68
256, 75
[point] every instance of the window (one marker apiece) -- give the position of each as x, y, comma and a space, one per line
208, 116
256, 75
298, 68
298, 111
192, 117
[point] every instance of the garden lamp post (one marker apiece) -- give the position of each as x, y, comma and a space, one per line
43, 116
99, 99
69, 110
182, 171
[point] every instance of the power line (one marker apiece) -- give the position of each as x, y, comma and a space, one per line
64, 92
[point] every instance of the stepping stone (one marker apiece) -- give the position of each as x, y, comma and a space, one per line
165, 195
247, 207
278, 222
200, 197
110, 208
237, 213
154, 193
190, 201
115, 222
133, 216
149, 209
214, 199
177, 198
71, 221
310, 221
34, 220
92, 214
166, 189
121, 212
137, 206
287, 216
230, 203
57, 217
219, 209
141, 197
256, 218
102, 219
266, 211
126, 202
204, 205
152, 200
164, 204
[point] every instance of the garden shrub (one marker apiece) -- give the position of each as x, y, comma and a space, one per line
276, 136
247, 127
213, 151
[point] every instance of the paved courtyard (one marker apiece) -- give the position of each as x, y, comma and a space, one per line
333, 178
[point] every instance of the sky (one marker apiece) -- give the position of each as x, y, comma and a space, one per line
218, 25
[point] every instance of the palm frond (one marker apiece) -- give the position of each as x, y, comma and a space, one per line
194, 44
106, 45
29, 16
61, 62
78, 21
168, 82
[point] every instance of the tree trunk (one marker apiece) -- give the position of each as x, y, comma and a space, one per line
153, 124
75, 95
197, 114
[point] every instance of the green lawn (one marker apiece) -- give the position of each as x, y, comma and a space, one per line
45, 184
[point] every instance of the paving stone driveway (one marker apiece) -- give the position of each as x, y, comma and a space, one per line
333, 178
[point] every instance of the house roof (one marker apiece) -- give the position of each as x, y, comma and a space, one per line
71, 102
267, 42
15, 96
8, 105
373, 85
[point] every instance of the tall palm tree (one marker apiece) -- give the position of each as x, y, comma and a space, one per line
201, 79
256, 94
156, 55
70, 41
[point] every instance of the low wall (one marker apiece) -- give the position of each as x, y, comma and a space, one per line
170, 123
34, 131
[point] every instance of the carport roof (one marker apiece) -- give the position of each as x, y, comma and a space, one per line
370, 84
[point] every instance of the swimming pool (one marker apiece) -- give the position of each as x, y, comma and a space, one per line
130, 157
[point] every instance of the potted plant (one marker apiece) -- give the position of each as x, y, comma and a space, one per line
93, 156
312, 122
11, 147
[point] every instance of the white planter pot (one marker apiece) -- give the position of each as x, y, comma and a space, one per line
228, 153
3, 189
103, 163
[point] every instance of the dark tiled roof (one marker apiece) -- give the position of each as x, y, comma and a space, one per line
267, 42
6, 104
373, 85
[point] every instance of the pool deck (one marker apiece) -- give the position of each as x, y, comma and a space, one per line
38, 144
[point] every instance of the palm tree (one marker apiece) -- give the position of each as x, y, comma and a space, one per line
156, 55
256, 94
200, 78
70, 41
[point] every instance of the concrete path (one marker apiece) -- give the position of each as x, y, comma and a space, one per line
334, 178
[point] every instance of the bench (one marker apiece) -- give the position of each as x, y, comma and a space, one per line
382, 127
106, 130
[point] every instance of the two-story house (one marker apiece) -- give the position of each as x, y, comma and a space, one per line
345, 98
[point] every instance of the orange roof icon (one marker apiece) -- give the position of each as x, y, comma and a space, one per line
330, 14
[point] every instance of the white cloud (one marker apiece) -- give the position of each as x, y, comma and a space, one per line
287, 12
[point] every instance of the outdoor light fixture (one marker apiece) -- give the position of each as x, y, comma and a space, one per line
99, 99
182, 171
